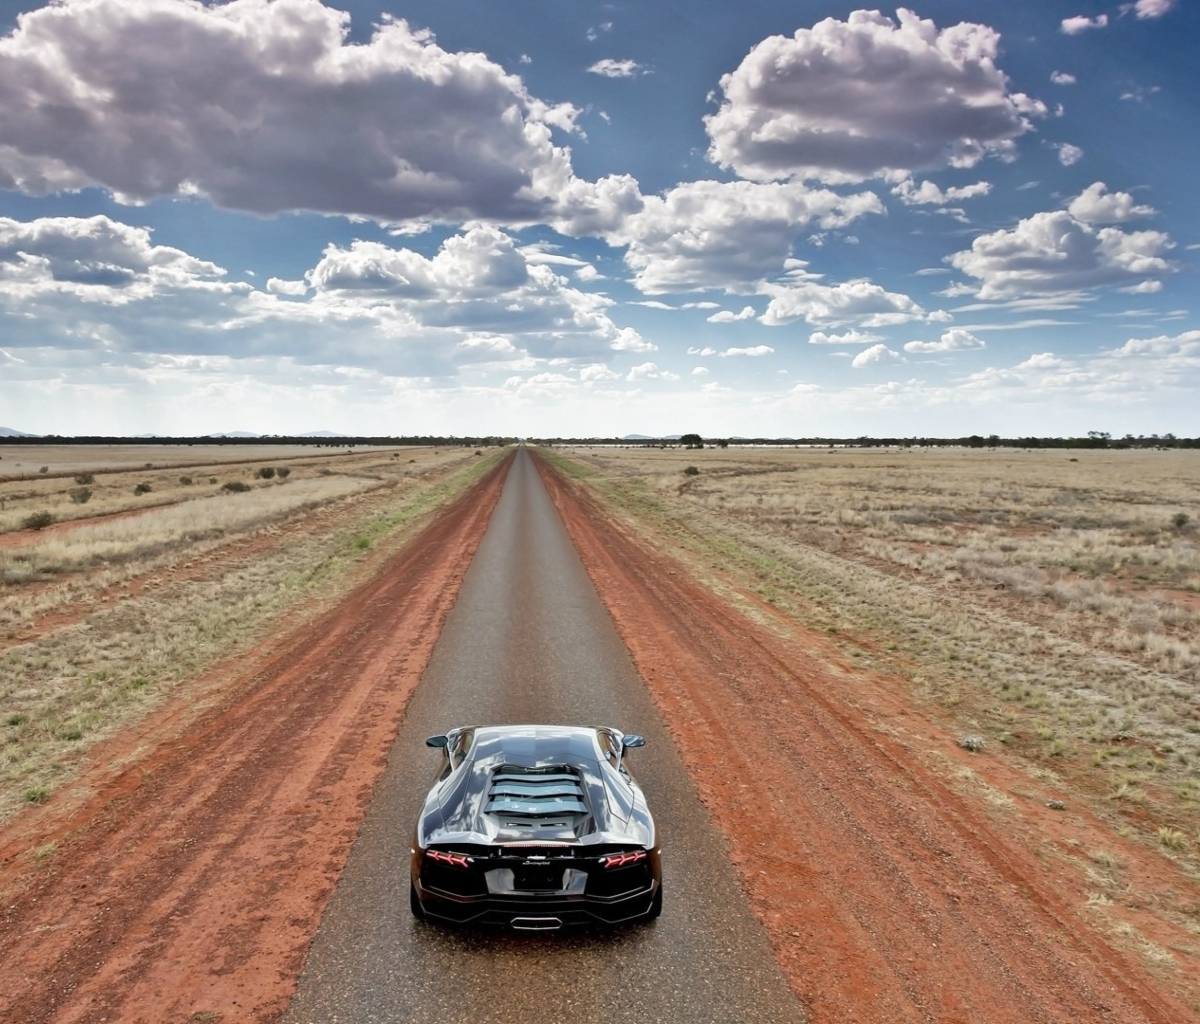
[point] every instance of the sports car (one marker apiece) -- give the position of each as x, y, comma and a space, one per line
534, 828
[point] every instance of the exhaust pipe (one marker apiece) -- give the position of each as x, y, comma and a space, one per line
536, 924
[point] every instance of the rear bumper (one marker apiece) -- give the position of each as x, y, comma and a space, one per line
536, 911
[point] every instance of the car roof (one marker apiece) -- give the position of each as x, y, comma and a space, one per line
533, 745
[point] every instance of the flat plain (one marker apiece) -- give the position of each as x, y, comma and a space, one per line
933, 699
1039, 608
129, 570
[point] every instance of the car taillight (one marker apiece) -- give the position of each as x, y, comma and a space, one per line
620, 860
457, 860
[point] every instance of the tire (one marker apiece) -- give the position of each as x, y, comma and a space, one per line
414, 903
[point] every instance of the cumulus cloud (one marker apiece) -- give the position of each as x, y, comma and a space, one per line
1096, 205
628, 340
1056, 253
695, 350
754, 351
846, 338
953, 340
278, 286
1062, 78
94, 283
96, 259
1082, 23
1186, 345
861, 301
867, 97
929, 194
1043, 361
729, 235
875, 356
727, 316
596, 373
267, 107
650, 371
610, 68
1068, 154
1148, 8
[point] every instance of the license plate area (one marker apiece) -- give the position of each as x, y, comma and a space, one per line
538, 876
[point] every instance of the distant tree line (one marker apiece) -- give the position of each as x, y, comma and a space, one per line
1093, 439
273, 439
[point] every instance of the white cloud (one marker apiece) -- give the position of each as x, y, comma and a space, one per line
753, 351
267, 107
278, 286
1043, 361
597, 372
628, 340
97, 259
727, 316
929, 194
101, 286
1081, 23
848, 338
705, 351
1149, 8
1096, 205
1140, 93
954, 340
1062, 78
1056, 253
730, 235
1186, 345
610, 68
867, 97
875, 356
699, 371
1068, 154
860, 301
650, 371
1142, 288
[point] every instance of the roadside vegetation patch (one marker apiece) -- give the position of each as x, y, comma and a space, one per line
102, 623
1045, 603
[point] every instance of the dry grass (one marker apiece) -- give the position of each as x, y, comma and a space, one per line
142, 533
129, 612
173, 473
1048, 601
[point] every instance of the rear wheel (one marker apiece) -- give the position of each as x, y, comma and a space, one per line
414, 903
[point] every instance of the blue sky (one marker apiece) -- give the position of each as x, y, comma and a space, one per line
571, 218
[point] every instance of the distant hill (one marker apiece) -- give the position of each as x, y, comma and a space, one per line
322, 433
647, 437
9, 432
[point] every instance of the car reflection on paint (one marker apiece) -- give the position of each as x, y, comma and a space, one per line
535, 828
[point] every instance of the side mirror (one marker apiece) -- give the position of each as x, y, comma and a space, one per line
633, 741
437, 741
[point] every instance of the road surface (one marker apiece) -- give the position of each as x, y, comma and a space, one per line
529, 641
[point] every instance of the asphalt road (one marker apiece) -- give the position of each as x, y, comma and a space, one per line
530, 641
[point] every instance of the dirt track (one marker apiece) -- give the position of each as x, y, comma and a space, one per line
887, 896
192, 882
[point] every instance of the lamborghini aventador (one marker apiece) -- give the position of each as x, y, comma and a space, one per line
535, 827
